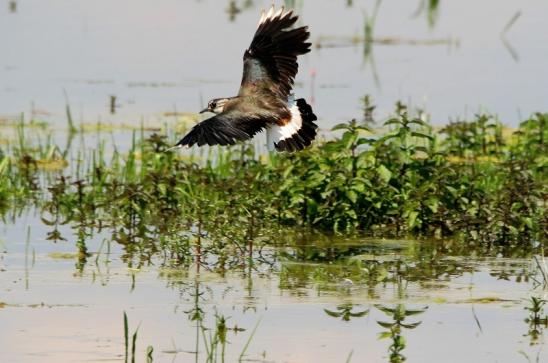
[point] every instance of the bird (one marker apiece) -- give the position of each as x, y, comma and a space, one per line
265, 100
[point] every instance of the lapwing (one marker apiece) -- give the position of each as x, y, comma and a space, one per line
265, 100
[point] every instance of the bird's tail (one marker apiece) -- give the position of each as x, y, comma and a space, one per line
299, 132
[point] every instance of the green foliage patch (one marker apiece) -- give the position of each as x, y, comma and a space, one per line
467, 181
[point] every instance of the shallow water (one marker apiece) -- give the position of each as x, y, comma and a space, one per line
54, 310
166, 56
312, 298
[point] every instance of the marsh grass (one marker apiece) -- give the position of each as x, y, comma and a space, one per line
222, 207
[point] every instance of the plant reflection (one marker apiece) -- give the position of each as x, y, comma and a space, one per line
537, 319
431, 9
395, 327
232, 10
12, 4
345, 312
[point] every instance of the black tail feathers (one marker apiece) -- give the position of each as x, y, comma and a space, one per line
305, 134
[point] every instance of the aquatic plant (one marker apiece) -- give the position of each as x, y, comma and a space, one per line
127, 356
394, 329
467, 182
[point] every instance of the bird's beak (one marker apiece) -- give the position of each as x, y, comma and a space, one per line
204, 110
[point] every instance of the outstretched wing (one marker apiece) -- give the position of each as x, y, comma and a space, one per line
271, 60
224, 129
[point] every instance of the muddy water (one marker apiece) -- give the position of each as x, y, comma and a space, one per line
310, 302
167, 56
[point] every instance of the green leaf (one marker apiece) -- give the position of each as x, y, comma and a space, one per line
363, 140
421, 135
363, 128
386, 310
332, 313
415, 312
384, 335
384, 173
432, 204
385, 324
421, 148
392, 121
412, 218
352, 196
3, 165
418, 121
411, 326
359, 314
400, 341
359, 187
349, 138
343, 126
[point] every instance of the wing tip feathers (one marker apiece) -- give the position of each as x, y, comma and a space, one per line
273, 15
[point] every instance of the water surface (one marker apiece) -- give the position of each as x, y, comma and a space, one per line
469, 308
167, 56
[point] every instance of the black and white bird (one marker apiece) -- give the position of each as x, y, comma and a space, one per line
265, 101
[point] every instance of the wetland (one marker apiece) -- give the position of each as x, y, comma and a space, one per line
405, 233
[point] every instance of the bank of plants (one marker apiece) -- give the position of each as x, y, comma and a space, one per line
471, 180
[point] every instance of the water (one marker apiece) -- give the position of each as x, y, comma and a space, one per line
296, 294
167, 56
312, 298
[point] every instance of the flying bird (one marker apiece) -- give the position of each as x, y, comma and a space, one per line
265, 100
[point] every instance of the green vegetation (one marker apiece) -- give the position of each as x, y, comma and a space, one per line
394, 329
467, 181
126, 342
537, 320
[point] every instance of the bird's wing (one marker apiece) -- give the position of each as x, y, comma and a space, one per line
224, 129
271, 60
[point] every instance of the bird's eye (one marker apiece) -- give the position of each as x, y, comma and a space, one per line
213, 104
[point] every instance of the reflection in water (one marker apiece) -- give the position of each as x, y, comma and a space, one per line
395, 327
408, 72
368, 27
346, 312
221, 295
537, 319
430, 8
113, 105
372, 266
12, 5
232, 10
368, 40
505, 40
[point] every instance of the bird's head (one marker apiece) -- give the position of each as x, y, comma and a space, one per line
216, 105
